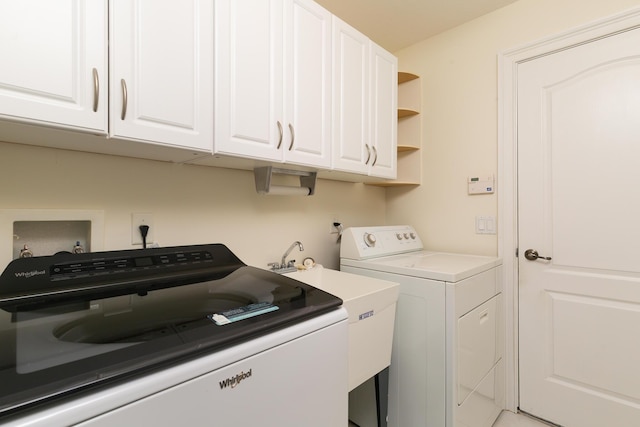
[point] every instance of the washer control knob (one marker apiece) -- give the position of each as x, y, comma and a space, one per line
369, 239
399, 236
406, 236
413, 236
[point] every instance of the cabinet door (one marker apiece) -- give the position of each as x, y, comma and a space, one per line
351, 150
384, 112
161, 71
248, 78
54, 62
307, 84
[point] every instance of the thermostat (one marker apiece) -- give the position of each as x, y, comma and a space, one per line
481, 184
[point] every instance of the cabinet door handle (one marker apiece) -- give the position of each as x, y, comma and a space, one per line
293, 136
124, 99
281, 133
368, 154
375, 159
96, 90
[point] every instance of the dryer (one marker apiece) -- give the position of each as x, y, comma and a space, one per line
447, 365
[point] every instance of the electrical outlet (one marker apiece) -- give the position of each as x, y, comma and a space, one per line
138, 219
332, 228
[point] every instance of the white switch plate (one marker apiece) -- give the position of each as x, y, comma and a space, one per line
138, 219
485, 224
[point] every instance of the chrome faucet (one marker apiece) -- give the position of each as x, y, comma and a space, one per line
283, 266
286, 254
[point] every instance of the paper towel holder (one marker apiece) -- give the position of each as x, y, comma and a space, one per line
264, 186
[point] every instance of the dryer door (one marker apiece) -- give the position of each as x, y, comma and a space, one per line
479, 345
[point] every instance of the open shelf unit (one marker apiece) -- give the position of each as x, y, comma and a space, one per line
409, 132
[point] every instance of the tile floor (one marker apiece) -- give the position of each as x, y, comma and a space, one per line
509, 419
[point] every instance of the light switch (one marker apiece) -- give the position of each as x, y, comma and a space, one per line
485, 224
490, 225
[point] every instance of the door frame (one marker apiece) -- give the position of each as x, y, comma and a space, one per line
508, 172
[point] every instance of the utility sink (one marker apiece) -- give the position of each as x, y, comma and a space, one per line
371, 305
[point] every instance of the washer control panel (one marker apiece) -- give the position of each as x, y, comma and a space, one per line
370, 239
370, 242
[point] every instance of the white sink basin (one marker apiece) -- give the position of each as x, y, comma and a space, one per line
371, 304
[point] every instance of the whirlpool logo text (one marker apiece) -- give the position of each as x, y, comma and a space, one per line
234, 381
28, 274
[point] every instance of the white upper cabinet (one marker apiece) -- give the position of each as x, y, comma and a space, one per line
351, 149
248, 78
384, 107
365, 104
273, 83
161, 72
281, 81
54, 63
307, 88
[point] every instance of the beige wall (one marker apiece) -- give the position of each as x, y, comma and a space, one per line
195, 204
459, 114
190, 204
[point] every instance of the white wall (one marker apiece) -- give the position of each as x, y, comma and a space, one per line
459, 115
190, 204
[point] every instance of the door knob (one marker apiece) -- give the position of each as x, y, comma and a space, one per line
532, 255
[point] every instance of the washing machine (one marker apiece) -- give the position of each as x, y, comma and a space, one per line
185, 335
447, 367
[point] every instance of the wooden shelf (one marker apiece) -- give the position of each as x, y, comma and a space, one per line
409, 161
406, 112
409, 131
392, 183
406, 147
404, 77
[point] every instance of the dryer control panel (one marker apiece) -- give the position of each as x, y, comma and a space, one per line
369, 242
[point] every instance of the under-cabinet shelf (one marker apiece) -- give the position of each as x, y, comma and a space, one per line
395, 183
405, 147
406, 112
404, 77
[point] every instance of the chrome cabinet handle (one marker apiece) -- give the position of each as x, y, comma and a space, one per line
124, 99
293, 136
96, 90
532, 255
375, 159
281, 133
368, 154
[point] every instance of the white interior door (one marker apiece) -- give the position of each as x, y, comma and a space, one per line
579, 203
